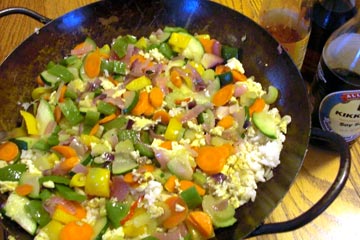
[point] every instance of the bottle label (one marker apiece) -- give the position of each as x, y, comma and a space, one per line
340, 112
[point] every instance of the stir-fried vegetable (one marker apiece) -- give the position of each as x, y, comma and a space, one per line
149, 138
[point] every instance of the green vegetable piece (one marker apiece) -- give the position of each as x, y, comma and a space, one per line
87, 159
145, 137
191, 197
165, 49
71, 112
61, 72
37, 212
150, 238
71, 61
127, 134
121, 43
116, 212
174, 29
160, 129
106, 108
45, 194
117, 123
12, 172
123, 163
55, 179
107, 65
265, 122
100, 227
119, 68
271, 96
228, 52
91, 118
199, 178
69, 194
42, 145
70, 94
144, 150
225, 78
131, 99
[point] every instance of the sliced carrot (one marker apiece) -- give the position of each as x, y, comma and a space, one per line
207, 44
179, 211
112, 80
68, 163
39, 81
92, 64
107, 118
149, 111
24, 189
170, 183
223, 95
185, 184
62, 93
80, 46
137, 57
212, 159
146, 168
129, 178
76, 230
163, 116
226, 122
238, 76
142, 104
166, 144
219, 69
257, 106
94, 129
8, 151
132, 210
66, 151
156, 97
179, 101
57, 114
175, 78
202, 223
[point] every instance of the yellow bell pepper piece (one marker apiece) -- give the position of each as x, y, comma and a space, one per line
141, 43
62, 216
52, 229
173, 130
98, 182
78, 180
30, 122
88, 139
179, 41
138, 83
199, 68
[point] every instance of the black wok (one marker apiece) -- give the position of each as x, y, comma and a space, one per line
259, 54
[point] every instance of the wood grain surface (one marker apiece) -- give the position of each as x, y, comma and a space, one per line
340, 221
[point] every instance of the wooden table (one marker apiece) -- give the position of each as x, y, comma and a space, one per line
339, 221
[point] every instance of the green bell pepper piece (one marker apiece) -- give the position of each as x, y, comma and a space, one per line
228, 52
69, 194
165, 49
61, 72
12, 172
55, 179
121, 44
106, 108
117, 123
191, 197
37, 212
70, 111
116, 212
91, 118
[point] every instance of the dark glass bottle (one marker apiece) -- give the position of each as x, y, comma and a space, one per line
327, 16
335, 91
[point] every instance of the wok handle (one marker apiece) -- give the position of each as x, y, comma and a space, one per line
338, 143
25, 11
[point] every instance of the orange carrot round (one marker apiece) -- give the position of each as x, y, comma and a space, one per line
92, 64
202, 223
207, 44
8, 151
175, 78
226, 122
66, 151
212, 159
170, 183
156, 97
57, 114
238, 76
163, 116
107, 118
68, 163
166, 144
142, 104
94, 129
24, 189
223, 95
257, 106
76, 230
179, 211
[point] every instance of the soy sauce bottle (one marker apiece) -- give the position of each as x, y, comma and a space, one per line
327, 16
335, 91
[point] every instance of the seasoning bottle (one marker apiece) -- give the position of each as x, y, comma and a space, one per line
327, 16
335, 91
